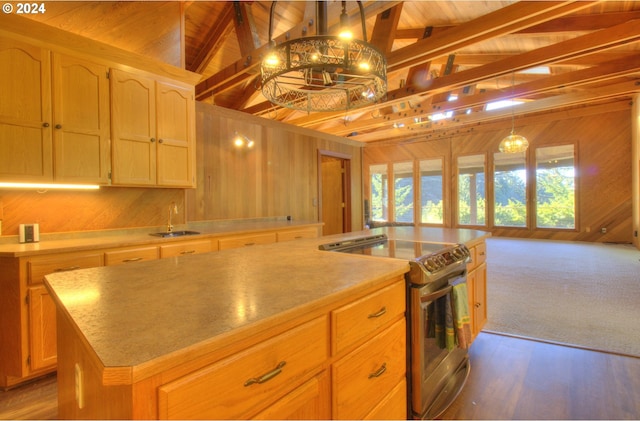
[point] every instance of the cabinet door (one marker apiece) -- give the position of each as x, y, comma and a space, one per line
26, 152
480, 299
80, 120
176, 135
133, 119
42, 324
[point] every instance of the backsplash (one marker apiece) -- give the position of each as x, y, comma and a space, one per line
107, 208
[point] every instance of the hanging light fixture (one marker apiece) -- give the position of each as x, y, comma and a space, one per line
324, 72
513, 143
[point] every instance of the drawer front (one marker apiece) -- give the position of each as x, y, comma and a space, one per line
38, 267
247, 240
297, 234
369, 373
249, 379
185, 248
393, 406
354, 321
119, 257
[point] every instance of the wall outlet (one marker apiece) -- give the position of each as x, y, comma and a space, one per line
603, 230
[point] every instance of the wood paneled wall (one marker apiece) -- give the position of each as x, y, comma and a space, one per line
277, 177
602, 135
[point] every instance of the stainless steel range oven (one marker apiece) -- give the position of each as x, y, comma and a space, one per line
438, 330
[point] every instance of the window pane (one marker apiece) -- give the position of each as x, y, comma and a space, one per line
431, 197
379, 189
555, 187
403, 190
471, 190
510, 183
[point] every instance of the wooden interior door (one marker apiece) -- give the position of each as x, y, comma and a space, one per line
334, 207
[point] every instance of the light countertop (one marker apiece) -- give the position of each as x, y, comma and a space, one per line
88, 240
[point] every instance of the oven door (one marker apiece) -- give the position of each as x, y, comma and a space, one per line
438, 367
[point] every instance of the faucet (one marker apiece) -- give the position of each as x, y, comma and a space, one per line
173, 208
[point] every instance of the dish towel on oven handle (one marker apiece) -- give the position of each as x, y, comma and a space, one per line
461, 318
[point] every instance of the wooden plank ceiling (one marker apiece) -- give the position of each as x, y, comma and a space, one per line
444, 57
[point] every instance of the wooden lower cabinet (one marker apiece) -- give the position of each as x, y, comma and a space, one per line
42, 329
287, 371
477, 288
370, 373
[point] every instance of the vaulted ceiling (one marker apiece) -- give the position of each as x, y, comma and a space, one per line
448, 58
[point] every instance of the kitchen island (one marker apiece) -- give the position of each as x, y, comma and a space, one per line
279, 330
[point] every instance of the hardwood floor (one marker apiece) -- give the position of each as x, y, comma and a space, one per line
510, 378
514, 378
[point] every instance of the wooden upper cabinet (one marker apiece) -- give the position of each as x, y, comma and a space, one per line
176, 135
153, 131
133, 119
25, 112
80, 120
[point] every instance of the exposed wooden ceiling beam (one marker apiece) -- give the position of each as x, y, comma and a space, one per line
584, 45
587, 96
577, 78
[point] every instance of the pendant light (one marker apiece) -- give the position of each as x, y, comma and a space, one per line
513, 143
324, 72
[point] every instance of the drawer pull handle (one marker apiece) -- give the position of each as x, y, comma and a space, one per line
249, 244
133, 259
188, 252
67, 269
382, 311
379, 372
266, 377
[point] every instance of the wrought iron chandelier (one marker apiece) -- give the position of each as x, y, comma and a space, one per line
324, 72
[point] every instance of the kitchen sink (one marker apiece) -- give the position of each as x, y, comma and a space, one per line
174, 233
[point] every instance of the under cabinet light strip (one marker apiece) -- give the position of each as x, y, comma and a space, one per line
48, 186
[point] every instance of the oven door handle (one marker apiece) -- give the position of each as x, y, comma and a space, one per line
436, 294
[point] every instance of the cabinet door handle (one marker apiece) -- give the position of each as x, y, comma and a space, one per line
133, 259
378, 372
188, 252
160, 140
266, 377
153, 139
249, 244
67, 269
58, 126
45, 124
382, 311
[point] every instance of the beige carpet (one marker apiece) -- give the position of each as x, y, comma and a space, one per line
576, 293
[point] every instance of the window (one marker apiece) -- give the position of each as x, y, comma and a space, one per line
555, 187
431, 192
403, 191
379, 192
510, 190
471, 190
